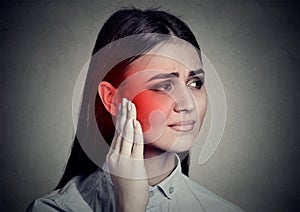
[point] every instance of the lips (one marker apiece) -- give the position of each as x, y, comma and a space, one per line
183, 126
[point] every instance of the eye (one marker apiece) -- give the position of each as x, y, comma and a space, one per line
195, 83
162, 87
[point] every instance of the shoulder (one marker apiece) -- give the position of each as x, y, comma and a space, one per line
45, 204
59, 200
79, 194
209, 200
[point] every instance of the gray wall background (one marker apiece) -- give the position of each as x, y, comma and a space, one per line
254, 46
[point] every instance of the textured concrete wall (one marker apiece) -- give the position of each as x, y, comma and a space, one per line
254, 46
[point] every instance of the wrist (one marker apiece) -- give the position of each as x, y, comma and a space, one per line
127, 206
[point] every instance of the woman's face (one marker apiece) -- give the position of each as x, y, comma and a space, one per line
169, 95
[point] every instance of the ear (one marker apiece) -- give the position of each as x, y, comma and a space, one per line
106, 92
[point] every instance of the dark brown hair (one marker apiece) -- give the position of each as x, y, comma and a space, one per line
123, 23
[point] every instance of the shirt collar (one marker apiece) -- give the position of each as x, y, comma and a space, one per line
170, 185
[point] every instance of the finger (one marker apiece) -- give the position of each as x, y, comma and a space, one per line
127, 132
116, 143
123, 115
128, 128
117, 130
132, 113
117, 140
138, 141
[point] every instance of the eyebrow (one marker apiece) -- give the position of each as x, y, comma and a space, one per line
163, 76
196, 72
176, 74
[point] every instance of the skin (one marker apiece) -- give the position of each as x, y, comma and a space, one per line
161, 103
126, 155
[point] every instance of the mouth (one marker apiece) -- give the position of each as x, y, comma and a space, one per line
183, 126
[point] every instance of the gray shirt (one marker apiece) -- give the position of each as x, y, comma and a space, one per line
96, 193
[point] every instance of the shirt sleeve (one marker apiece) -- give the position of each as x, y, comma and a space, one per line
45, 205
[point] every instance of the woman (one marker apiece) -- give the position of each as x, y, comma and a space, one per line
148, 106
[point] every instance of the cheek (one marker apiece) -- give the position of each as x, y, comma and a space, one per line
149, 102
201, 105
202, 98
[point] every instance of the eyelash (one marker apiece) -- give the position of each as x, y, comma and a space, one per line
166, 86
160, 87
198, 81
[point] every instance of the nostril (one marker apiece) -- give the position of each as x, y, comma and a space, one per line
184, 104
183, 108
183, 99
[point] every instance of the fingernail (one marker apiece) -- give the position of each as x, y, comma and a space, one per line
123, 101
119, 107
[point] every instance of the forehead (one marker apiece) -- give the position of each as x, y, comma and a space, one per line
170, 56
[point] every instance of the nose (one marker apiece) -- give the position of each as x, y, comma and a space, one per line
184, 101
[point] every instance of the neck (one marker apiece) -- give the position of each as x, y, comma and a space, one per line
159, 164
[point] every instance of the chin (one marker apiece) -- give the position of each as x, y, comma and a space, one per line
181, 147
181, 144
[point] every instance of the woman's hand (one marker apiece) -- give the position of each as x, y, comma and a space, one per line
126, 162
